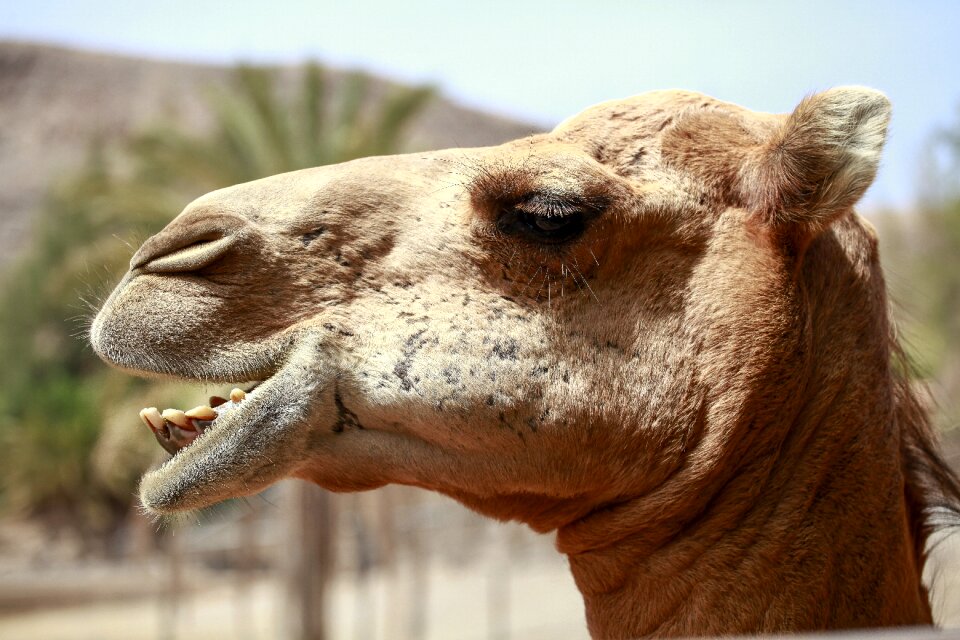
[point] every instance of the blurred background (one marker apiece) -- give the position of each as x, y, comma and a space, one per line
114, 115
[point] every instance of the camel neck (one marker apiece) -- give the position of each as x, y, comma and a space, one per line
809, 537
790, 510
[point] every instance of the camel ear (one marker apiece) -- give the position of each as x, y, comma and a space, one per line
820, 161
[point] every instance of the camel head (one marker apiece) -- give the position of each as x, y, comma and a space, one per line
538, 329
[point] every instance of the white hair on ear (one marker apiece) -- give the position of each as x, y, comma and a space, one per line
821, 160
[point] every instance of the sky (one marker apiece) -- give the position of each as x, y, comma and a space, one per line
542, 61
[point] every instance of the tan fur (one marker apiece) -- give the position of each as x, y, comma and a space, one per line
696, 393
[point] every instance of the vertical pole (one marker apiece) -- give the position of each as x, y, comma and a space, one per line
419, 577
393, 610
498, 584
246, 552
173, 598
309, 560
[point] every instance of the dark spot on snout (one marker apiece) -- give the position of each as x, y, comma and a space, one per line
310, 236
451, 375
412, 345
346, 419
331, 327
402, 371
412, 339
505, 349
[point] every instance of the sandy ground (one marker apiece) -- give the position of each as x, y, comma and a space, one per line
512, 584
539, 602
535, 601
531, 600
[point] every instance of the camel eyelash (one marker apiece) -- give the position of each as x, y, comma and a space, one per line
547, 219
539, 203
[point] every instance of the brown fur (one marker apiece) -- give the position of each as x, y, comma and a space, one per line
696, 393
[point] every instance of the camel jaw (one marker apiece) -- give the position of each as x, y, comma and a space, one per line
243, 449
248, 447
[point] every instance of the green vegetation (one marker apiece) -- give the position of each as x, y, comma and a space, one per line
64, 416
922, 256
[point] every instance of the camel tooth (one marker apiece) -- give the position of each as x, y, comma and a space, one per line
216, 401
177, 417
144, 418
238, 394
202, 412
153, 417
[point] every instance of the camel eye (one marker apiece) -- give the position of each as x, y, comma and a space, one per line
552, 224
545, 229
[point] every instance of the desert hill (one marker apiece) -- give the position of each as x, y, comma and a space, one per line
54, 101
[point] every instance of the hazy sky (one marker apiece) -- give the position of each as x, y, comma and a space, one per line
543, 61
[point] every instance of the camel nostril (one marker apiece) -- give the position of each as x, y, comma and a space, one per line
190, 257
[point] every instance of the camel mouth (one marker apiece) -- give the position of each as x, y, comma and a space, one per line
175, 430
238, 447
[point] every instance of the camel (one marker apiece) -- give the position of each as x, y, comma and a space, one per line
659, 330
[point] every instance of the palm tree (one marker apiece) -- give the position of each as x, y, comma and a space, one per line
922, 255
259, 134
